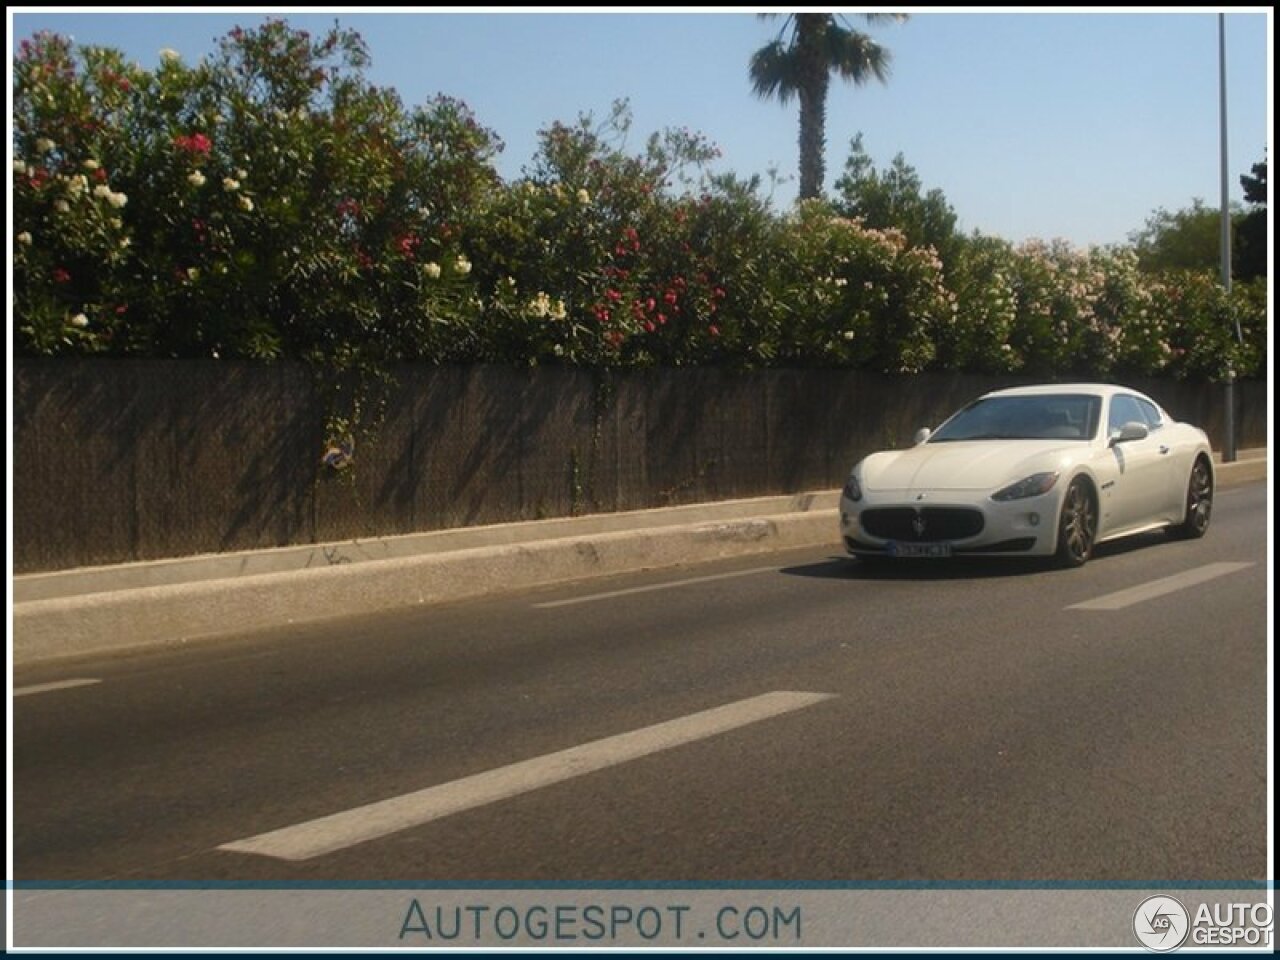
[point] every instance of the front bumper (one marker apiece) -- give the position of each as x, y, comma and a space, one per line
892, 525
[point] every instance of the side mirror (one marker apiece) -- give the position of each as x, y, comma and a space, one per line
923, 434
1129, 432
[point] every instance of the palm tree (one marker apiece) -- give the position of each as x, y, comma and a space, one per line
819, 44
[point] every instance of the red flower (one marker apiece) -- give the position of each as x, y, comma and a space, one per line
60, 275
649, 326
713, 330
197, 143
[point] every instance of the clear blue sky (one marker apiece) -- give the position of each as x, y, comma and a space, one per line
1061, 124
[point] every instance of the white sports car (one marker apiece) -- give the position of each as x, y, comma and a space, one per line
1033, 471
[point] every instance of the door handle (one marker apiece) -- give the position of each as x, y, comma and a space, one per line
1163, 449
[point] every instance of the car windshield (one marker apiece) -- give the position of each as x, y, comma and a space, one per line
1036, 417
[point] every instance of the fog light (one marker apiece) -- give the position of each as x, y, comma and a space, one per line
1033, 519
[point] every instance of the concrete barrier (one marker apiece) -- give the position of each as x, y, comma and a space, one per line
178, 613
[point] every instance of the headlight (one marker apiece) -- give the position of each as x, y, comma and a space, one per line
1032, 486
852, 488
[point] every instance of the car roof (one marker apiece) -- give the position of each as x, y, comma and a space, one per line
1042, 389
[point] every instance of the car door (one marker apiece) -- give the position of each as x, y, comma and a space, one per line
1140, 493
1174, 471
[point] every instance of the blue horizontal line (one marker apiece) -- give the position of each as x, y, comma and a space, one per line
750, 885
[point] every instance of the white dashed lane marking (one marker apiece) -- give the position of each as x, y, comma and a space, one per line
668, 585
340, 830
50, 687
1159, 588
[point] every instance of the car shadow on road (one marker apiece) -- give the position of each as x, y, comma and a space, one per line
847, 568
840, 567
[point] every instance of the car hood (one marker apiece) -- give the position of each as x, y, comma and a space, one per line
965, 465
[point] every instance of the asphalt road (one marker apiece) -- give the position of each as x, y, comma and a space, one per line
974, 723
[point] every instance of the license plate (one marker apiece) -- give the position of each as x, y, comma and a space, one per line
930, 550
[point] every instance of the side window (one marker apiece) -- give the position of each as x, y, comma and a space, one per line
1150, 415
1124, 409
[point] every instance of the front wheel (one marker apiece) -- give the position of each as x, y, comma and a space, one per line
1199, 508
1077, 525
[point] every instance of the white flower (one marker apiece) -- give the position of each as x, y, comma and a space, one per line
246, 204
19, 167
432, 270
462, 265
125, 243
196, 178
848, 334
583, 196
230, 185
193, 273
45, 145
558, 311
80, 320
102, 191
24, 238
91, 164
117, 200
61, 206
77, 185
169, 55
242, 173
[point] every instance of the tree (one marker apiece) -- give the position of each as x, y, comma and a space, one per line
801, 65
1251, 229
1187, 239
895, 198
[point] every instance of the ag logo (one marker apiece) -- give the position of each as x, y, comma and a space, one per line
1161, 924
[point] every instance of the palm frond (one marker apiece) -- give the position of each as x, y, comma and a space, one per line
773, 72
856, 57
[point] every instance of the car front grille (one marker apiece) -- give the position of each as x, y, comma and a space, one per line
925, 525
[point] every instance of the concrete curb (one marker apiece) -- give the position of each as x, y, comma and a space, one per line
176, 613
58, 616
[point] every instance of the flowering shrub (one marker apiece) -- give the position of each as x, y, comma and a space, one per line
268, 201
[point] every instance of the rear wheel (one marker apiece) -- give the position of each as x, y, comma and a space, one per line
1077, 525
1199, 507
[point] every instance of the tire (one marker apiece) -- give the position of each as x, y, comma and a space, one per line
1199, 503
1077, 525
